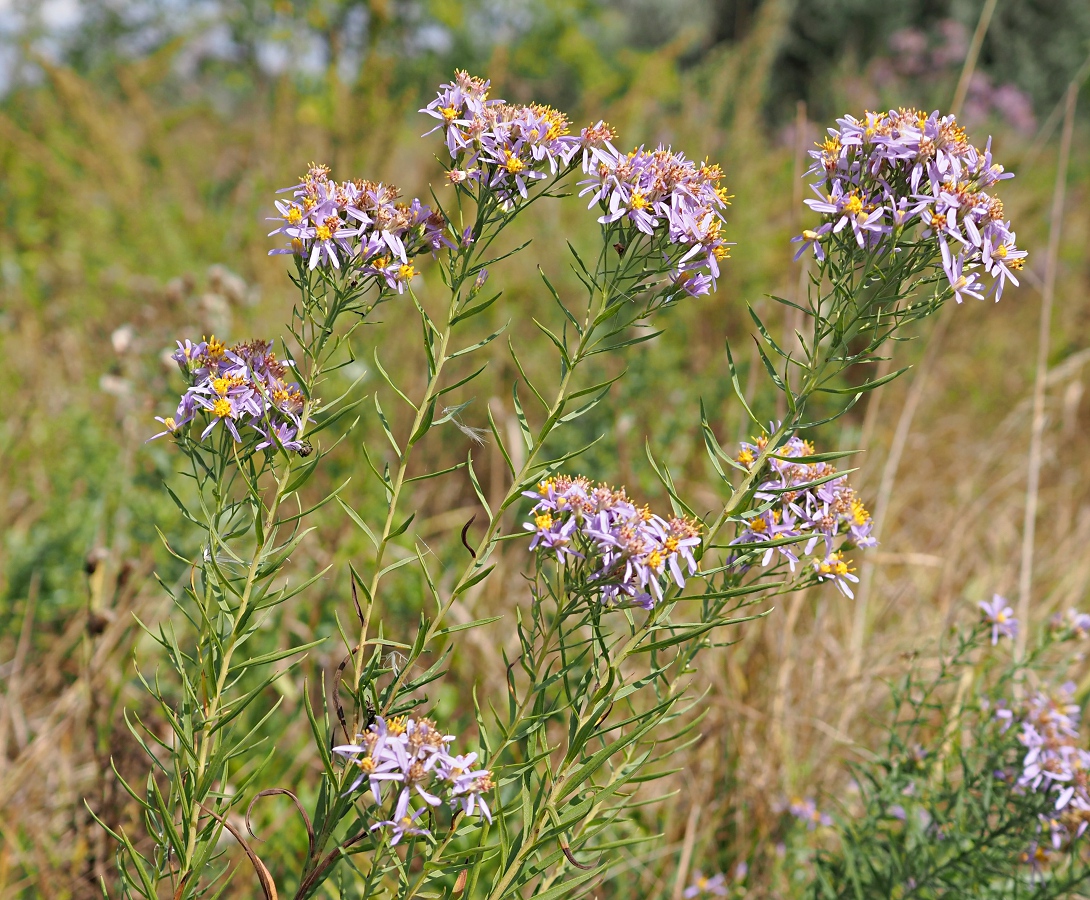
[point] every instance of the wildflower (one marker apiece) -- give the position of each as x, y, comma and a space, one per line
795, 512
356, 224
715, 884
504, 146
889, 176
1054, 762
403, 822
836, 569
631, 553
1001, 618
660, 194
414, 755
806, 810
811, 239
243, 386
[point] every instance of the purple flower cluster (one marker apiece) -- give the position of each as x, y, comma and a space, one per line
663, 195
240, 386
804, 513
889, 174
1000, 616
1054, 762
632, 553
415, 755
501, 145
357, 224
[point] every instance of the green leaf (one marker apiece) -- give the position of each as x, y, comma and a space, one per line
488, 340
556, 297
390, 382
386, 426
477, 486
867, 385
467, 625
475, 310
425, 423
354, 516
737, 385
524, 426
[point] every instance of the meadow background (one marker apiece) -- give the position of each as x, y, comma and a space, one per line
140, 145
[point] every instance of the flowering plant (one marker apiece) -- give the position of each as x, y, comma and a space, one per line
619, 600
981, 789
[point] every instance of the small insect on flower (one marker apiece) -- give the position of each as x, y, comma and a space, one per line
1001, 617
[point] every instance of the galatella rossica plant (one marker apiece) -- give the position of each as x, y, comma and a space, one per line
620, 600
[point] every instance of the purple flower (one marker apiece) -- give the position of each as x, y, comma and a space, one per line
805, 810
240, 387
797, 513
415, 755
357, 226
662, 196
1001, 617
702, 884
891, 176
504, 146
630, 553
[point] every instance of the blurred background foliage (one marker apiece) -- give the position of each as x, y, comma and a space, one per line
140, 145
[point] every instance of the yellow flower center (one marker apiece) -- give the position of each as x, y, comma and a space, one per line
449, 113
671, 545
545, 520
296, 245
1000, 252
396, 725
323, 233
222, 407
220, 385
1001, 617
406, 272
294, 215
746, 457
854, 206
654, 559
513, 164
859, 513
638, 201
